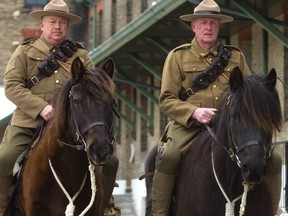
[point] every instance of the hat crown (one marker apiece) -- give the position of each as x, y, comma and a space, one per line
207, 8
207, 5
56, 8
57, 5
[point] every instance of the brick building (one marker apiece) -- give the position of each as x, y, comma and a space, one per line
107, 23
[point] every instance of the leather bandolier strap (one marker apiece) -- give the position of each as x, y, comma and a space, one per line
47, 67
204, 78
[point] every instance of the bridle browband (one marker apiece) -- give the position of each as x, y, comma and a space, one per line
80, 134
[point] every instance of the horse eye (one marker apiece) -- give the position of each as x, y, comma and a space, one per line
76, 101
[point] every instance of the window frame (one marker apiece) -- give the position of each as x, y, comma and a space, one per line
35, 3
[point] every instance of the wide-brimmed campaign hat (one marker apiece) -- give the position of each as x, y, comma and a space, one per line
56, 8
207, 8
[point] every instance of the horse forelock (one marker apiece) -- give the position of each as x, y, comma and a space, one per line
98, 85
259, 103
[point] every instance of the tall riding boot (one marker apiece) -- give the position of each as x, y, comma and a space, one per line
5, 183
274, 179
109, 172
162, 191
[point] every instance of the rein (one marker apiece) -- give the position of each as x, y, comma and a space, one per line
230, 205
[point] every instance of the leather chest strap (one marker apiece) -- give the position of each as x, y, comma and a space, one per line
47, 67
203, 79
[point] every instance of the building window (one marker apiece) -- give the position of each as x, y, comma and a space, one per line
35, 3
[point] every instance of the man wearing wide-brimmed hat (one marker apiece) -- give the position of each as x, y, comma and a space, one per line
187, 105
36, 71
30, 90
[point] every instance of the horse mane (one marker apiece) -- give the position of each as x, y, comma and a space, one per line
253, 100
97, 85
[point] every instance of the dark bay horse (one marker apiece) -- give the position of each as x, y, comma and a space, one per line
79, 136
234, 150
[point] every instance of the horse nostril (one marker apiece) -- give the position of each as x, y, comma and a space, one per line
245, 169
253, 174
101, 152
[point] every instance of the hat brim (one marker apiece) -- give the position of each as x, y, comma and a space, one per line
73, 19
191, 17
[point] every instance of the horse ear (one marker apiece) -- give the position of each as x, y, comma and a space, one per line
236, 79
77, 69
109, 67
270, 79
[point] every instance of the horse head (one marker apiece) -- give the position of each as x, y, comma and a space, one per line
253, 112
92, 109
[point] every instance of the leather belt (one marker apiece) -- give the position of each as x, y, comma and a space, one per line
189, 92
34, 80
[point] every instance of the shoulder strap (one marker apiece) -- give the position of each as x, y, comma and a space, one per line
41, 46
183, 46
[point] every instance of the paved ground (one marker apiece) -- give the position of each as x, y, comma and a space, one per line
125, 202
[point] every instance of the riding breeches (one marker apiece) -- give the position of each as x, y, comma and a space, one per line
14, 143
178, 137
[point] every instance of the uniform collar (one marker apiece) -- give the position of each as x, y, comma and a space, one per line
203, 52
46, 42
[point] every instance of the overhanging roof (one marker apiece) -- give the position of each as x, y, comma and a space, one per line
140, 48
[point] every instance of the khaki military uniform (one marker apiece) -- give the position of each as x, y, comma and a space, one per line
29, 102
180, 67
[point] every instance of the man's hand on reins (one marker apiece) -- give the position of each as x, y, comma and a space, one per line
47, 112
204, 115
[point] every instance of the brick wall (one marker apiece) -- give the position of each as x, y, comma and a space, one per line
12, 20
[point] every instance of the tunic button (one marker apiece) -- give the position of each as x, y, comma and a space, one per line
57, 81
216, 98
214, 86
56, 71
228, 69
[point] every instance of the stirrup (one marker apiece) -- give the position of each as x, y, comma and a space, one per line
112, 210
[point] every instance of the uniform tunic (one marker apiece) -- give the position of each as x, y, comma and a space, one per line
181, 65
21, 68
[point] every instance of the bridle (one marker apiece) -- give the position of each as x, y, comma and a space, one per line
80, 133
233, 149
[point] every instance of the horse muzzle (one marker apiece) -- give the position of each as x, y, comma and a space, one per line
99, 154
253, 173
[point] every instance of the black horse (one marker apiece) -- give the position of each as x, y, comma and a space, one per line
77, 137
235, 150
